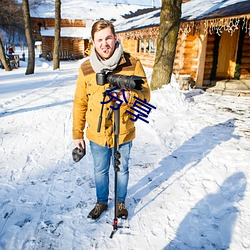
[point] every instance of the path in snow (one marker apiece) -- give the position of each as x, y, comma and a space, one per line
189, 170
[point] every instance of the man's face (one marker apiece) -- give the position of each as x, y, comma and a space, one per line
104, 42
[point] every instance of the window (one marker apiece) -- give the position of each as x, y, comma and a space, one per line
146, 45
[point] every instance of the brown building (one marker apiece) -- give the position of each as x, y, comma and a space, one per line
74, 37
77, 19
213, 41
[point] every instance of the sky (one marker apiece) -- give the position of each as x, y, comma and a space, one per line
189, 170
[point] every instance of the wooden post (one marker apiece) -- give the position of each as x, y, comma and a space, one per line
201, 60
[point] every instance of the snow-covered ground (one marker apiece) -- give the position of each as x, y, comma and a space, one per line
189, 170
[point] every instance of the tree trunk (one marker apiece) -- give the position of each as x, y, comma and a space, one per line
28, 33
168, 34
56, 59
3, 57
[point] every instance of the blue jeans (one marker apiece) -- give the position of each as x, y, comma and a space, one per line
102, 158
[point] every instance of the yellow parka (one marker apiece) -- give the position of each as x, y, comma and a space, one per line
87, 104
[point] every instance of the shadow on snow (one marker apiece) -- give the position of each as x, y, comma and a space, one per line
210, 223
189, 155
23, 110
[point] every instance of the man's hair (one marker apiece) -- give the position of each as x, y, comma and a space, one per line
101, 24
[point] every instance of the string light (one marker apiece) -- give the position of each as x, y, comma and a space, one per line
218, 25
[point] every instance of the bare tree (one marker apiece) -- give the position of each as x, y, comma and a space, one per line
168, 34
3, 57
36, 3
11, 17
56, 59
28, 33
11, 24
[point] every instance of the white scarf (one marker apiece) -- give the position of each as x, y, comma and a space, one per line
98, 64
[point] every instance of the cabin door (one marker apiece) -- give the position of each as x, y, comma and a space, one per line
227, 55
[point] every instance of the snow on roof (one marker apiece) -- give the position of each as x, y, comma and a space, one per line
197, 9
79, 32
192, 10
145, 20
85, 10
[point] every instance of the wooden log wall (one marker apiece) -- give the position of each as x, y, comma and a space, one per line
131, 46
50, 22
186, 55
178, 61
185, 59
190, 56
79, 46
209, 58
66, 44
245, 60
146, 59
73, 45
47, 45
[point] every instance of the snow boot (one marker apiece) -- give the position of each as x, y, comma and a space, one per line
97, 210
122, 211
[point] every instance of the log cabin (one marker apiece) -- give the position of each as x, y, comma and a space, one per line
74, 37
77, 17
213, 41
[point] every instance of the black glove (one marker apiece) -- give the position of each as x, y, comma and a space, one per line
78, 153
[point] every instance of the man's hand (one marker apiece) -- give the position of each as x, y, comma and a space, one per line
79, 143
79, 151
124, 96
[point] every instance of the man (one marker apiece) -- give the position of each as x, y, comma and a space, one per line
107, 54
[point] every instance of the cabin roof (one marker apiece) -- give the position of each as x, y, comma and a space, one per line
77, 32
193, 10
208, 9
85, 10
140, 21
